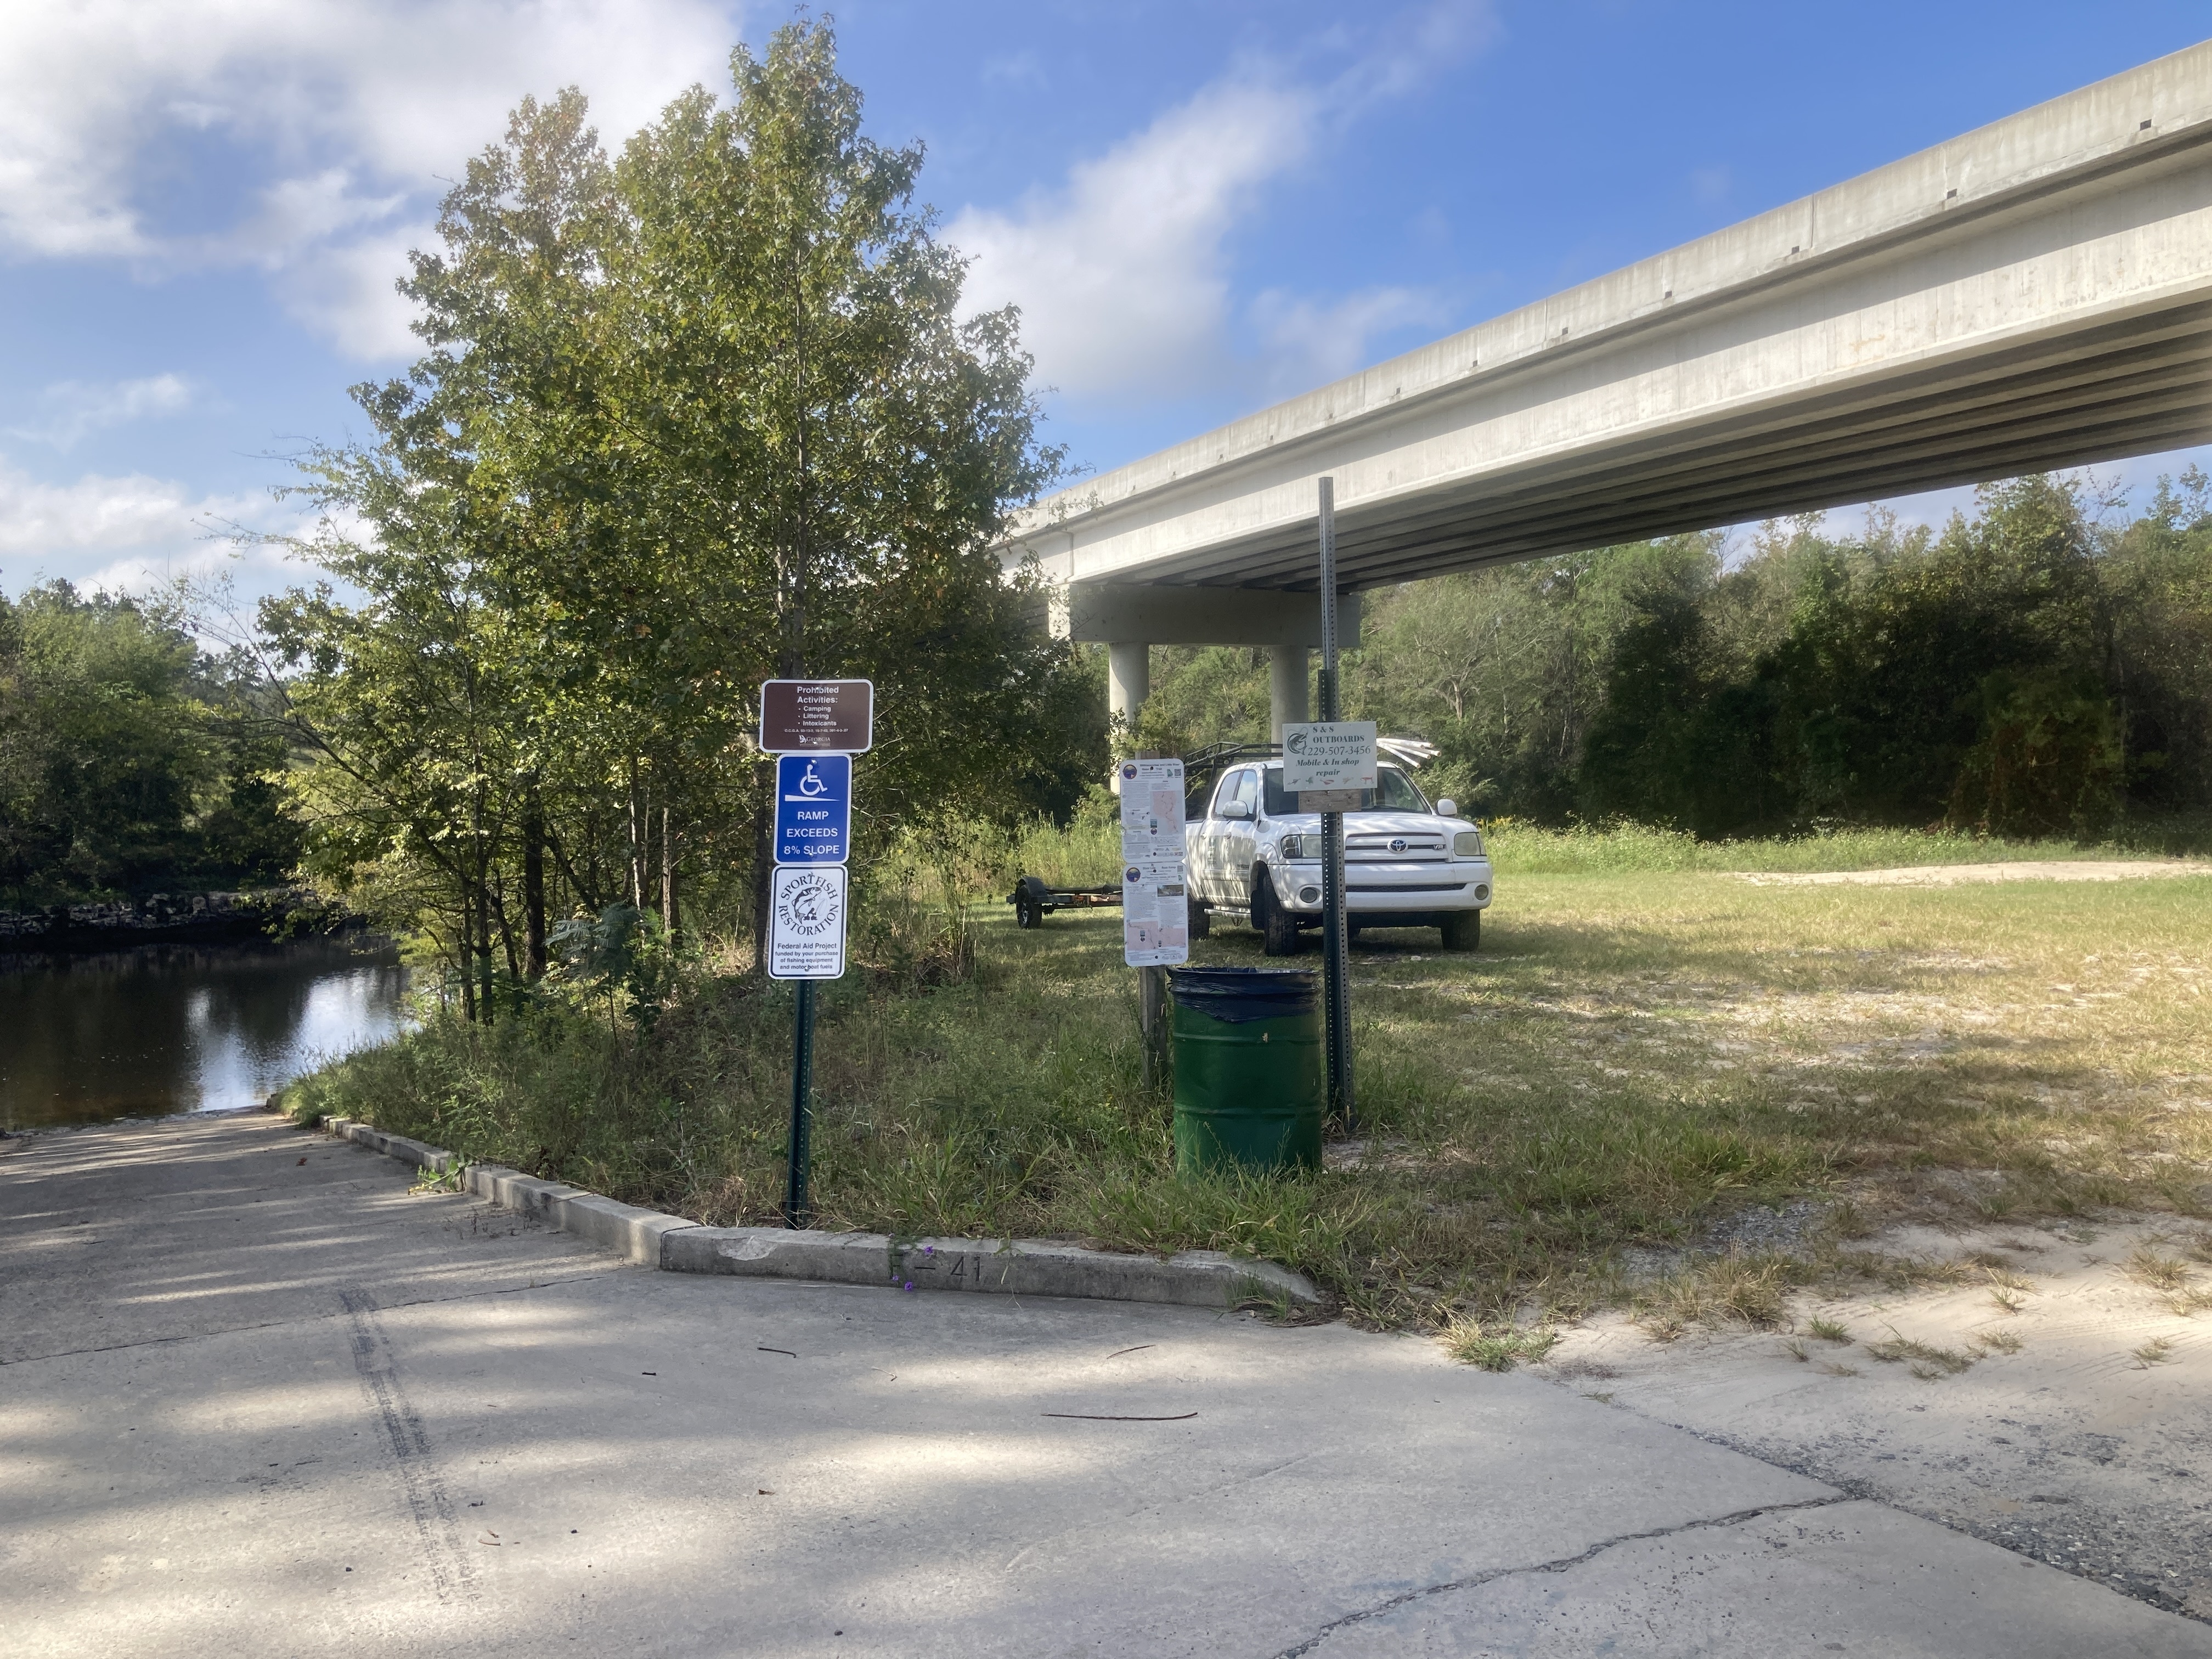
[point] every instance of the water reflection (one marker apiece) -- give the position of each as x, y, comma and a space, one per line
167, 1029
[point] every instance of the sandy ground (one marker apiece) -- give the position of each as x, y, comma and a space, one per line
1953, 875
2089, 1448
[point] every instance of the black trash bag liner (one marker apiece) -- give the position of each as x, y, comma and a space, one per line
1237, 994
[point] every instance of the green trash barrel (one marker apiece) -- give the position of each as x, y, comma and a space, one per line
1248, 1092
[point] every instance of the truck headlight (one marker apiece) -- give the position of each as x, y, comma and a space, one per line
1467, 844
1294, 846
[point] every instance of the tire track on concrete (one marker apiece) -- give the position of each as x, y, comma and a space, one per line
437, 1527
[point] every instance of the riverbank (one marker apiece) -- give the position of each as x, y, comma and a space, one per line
270, 913
1582, 1114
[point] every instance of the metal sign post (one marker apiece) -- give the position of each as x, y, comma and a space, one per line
813, 728
1336, 1003
1155, 900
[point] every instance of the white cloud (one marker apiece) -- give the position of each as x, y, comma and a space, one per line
1311, 343
1123, 274
335, 118
346, 292
100, 513
126, 533
73, 409
1122, 277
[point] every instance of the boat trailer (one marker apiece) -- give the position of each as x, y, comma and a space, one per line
1033, 901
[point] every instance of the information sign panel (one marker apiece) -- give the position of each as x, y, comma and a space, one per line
1329, 755
1151, 811
836, 716
806, 922
814, 808
1155, 915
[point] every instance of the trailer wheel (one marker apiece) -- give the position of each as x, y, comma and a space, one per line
1028, 913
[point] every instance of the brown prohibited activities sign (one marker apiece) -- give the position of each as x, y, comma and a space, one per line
837, 716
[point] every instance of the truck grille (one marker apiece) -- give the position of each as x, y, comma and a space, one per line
1370, 847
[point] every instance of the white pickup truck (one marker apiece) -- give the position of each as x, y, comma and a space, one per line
1250, 854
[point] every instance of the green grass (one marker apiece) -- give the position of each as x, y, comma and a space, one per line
1527, 849
1636, 1055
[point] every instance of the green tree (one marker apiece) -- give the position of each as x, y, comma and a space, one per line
130, 762
688, 419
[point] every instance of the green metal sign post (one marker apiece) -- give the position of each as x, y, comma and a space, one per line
1336, 990
814, 727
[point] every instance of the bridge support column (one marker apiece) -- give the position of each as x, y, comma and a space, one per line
1286, 688
1128, 682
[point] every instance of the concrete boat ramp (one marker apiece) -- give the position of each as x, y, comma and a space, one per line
257, 1398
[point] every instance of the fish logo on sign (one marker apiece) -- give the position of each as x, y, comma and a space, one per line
807, 908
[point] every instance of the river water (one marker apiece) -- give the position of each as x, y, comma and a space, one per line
165, 1029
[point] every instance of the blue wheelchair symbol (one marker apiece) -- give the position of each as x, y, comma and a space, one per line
814, 808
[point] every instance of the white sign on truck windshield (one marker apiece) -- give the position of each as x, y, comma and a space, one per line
1329, 755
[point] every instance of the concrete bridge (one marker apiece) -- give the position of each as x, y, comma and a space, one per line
2036, 294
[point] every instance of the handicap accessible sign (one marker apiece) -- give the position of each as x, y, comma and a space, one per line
814, 808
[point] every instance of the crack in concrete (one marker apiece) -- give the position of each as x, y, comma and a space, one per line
1475, 1581
2022, 1537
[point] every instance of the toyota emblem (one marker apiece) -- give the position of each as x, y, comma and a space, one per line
1397, 843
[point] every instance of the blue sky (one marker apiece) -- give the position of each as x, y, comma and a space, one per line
1200, 207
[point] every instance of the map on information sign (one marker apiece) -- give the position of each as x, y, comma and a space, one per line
1151, 811
1155, 915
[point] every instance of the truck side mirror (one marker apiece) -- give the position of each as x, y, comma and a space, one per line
1237, 809
1446, 808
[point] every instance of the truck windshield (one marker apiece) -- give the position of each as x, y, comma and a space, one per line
1394, 791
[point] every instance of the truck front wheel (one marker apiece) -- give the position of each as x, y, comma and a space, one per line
1463, 931
1278, 928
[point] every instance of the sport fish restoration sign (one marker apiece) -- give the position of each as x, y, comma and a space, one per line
1329, 755
814, 808
806, 923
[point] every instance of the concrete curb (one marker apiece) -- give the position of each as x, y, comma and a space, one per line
436, 1159
636, 1233
1013, 1266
